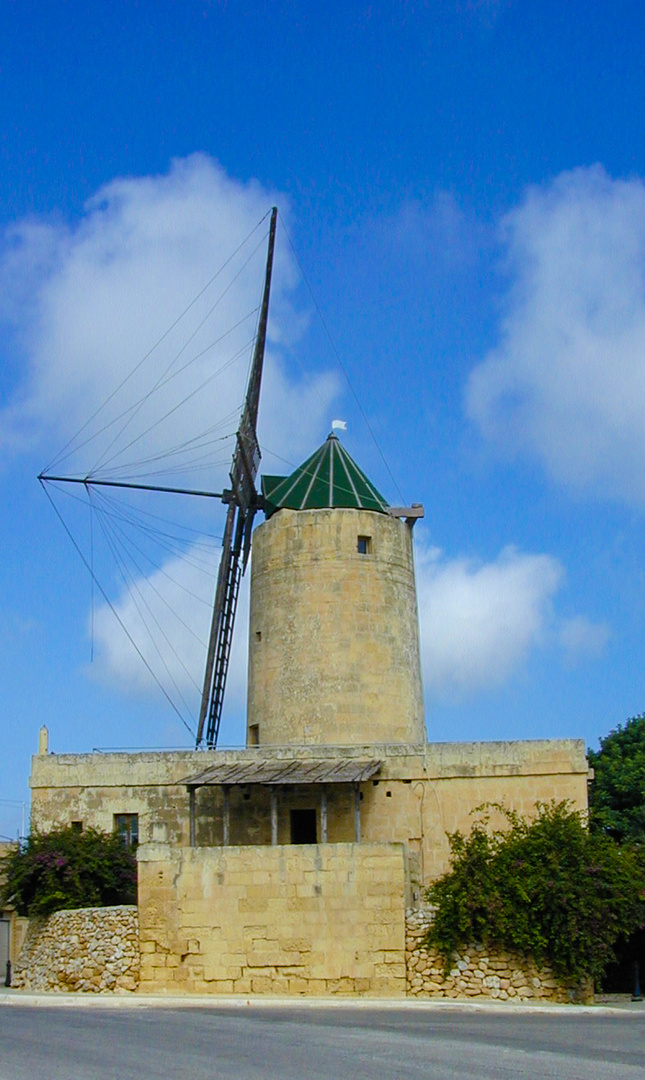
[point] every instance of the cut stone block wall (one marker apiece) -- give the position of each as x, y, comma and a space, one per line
477, 972
334, 634
297, 919
89, 949
419, 796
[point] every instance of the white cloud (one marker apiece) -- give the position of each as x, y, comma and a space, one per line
479, 622
581, 638
85, 302
168, 614
567, 380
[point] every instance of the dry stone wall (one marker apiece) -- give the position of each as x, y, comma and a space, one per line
90, 949
477, 972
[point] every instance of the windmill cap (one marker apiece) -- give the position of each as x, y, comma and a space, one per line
329, 479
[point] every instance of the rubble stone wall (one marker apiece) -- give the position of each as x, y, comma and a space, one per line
89, 949
478, 972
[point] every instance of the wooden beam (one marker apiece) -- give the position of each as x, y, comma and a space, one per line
323, 815
191, 814
415, 511
274, 816
227, 816
88, 481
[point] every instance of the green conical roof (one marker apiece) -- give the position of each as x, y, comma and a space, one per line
329, 479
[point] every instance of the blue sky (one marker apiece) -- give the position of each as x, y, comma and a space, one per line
464, 186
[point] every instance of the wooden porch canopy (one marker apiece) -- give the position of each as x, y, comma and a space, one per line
275, 774
327, 771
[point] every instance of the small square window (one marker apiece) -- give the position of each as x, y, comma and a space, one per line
77, 826
127, 826
254, 734
364, 545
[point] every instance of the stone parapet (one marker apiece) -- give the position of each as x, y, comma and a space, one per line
478, 972
435, 761
88, 949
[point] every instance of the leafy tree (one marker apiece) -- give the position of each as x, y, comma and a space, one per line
547, 889
67, 868
617, 793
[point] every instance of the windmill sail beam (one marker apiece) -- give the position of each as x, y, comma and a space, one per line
242, 504
255, 379
243, 474
87, 481
220, 592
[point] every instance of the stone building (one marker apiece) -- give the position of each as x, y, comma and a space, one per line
288, 866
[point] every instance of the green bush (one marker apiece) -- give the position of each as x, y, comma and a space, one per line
67, 868
546, 889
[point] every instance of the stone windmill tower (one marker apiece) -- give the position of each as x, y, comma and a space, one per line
334, 640
334, 657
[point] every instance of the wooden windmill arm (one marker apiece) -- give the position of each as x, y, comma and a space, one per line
242, 501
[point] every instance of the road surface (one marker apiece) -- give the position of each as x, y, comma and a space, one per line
316, 1043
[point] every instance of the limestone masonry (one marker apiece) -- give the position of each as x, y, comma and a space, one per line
293, 926
288, 866
90, 949
478, 973
333, 633
419, 795
278, 920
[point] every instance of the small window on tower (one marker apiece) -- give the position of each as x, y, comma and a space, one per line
77, 826
364, 545
254, 734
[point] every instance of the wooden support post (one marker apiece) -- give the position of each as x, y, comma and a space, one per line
357, 814
323, 815
191, 814
274, 816
227, 816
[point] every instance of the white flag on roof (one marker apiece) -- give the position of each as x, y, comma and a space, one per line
339, 425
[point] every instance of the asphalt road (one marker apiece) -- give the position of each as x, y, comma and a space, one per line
315, 1043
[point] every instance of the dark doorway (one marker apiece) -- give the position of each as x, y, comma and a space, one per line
303, 827
619, 977
5, 928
